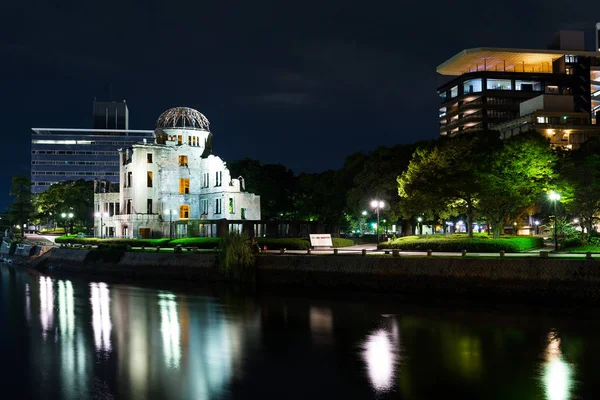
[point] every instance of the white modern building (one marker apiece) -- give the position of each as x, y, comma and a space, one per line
175, 186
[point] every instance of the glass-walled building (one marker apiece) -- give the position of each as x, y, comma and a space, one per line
487, 85
59, 155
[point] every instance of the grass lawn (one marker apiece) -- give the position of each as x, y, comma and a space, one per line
583, 249
480, 243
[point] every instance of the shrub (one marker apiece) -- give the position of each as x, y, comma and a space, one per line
484, 245
236, 259
573, 242
340, 242
290, 244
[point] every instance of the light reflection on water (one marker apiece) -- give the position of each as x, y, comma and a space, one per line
169, 329
46, 305
380, 354
100, 300
89, 340
557, 376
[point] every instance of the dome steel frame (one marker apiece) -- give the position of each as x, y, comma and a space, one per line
183, 118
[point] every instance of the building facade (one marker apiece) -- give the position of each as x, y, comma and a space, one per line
174, 186
59, 155
64, 154
553, 117
486, 85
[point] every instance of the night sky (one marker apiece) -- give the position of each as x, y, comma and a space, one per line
299, 83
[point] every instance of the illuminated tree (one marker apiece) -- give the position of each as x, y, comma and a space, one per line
514, 177
445, 179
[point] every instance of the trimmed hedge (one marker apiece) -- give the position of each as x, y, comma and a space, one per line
290, 244
479, 244
341, 242
202, 243
199, 242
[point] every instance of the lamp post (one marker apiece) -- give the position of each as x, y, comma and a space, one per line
537, 224
420, 227
101, 215
555, 197
67, 220
377, 205
363, 222
170, 213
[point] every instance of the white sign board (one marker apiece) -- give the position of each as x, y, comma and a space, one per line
323, 239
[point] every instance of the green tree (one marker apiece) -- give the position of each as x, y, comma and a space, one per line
274, 183
75, 197
445, 178
375, 178
21, 209
514, 177
580, 180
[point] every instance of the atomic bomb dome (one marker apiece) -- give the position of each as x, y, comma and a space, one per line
182, 118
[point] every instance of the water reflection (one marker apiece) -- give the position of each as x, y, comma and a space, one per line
321, 324
27, 303
201, 343
380, 354
46, 305
169, 328
65, 308
100, 299
557, 374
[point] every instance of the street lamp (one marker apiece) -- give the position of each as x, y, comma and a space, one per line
420, 227
101, 215
554, 197
537, 224
64, 216
377, 205
170, 214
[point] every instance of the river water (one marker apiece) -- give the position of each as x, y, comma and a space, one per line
81, 338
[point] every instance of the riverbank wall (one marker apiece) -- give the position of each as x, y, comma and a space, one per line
577, 279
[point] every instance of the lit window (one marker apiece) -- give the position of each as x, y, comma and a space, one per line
231, 209
184, 186
499, 84
149, 179
542, 120
183, 161
184, 212
569, 71
454, 91
472, 86
179, 139
528, 86
570, 59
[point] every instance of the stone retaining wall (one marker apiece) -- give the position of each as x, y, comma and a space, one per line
137, 264
578, 279
470, 276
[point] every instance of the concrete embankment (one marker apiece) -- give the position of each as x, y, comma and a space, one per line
576, 279
134, 264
